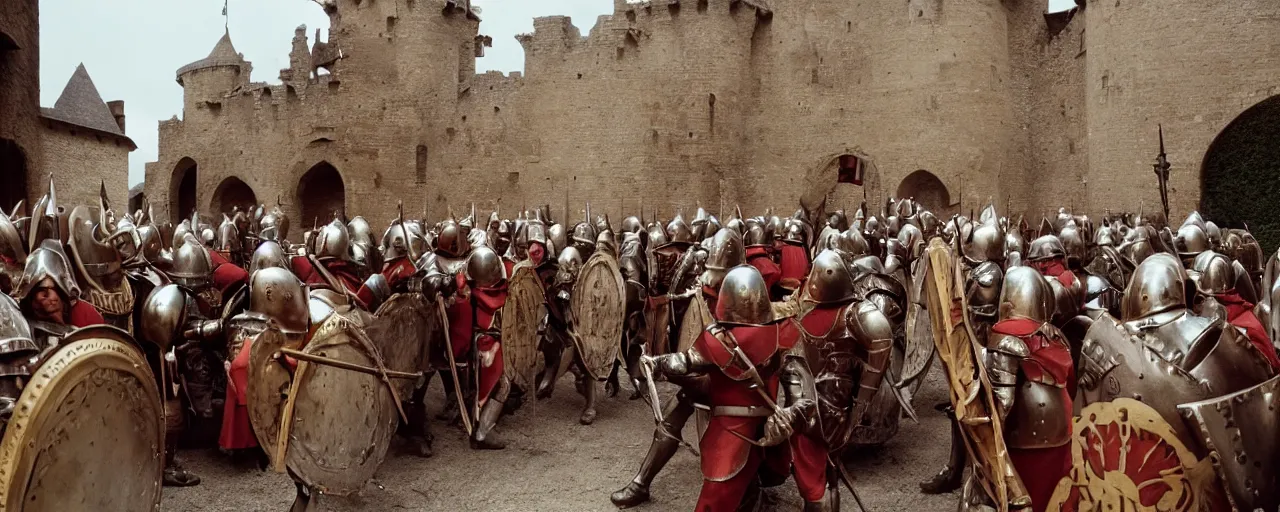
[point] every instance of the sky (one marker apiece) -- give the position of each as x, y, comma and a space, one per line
132, 48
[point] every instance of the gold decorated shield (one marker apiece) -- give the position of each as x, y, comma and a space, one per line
599, 305
403, 329
696, 319
87, 432
980, 426
520, 315
340, 422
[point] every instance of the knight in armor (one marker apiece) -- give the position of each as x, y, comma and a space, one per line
1048, 256
631, 262
672, 269
793, 257
759, 243
485, 292
1029, 365
741, 357
1217, 297
49, 296
329, 266
18, 356
559, 350
845, 341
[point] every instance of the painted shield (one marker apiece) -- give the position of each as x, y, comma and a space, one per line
1240, 428
520, 315
599, 306
267, 389
958, 349
403, 329
696, 319
341, 421
88, 431
1125, 456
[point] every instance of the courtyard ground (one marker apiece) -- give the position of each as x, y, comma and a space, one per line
553, 464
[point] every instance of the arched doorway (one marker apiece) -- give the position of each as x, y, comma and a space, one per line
233, 192
182, 189
1240, 175
927, 190
13, 166
321, 194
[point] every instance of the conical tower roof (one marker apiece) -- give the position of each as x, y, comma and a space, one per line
223, 54
81, 105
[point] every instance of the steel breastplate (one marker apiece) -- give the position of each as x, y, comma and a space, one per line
1172, 334
1038, 418
984, 297
833, 361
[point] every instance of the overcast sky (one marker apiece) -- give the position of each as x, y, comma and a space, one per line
132, 48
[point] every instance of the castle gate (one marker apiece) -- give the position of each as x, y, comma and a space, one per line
13, 166
182, 189
1240, 175
927, 190
321, 195
230, 193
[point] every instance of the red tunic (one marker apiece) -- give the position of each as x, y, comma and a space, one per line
462, 324
1057, 269
729, 463
1042, 468
758, 257
340, 270
794, 262
808, 453
226, 275
83, 314
1240, 314
237, 432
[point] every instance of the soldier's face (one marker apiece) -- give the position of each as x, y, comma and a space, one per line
47, 305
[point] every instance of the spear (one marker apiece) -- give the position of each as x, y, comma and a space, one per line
1161, 168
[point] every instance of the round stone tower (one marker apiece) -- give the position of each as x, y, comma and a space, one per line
205, 82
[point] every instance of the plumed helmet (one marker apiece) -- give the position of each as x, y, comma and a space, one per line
1191, 240
679, 231
1025, 294
277, 294
360, 232
333, 241
757, 235
451, 241
485, 268
727, 251
269, 254
984, 242
1044, 248
632, 224
1212, 273
48, 261
1157, 285
829, 281
192, 268
744, 298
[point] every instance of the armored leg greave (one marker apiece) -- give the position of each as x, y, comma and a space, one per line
482, 438
663, 447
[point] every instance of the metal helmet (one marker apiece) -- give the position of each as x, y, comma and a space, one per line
333, 241
727, 251
795, 233
48, 261
451, 241
657, 235
12, 247
269, 254
401, 242
868, 264
1191, 240
830, 280
838, 221
1014, 242
679, 232
1026, 294
984, 242
180, 233
228, 236
163, 314
1194, 219
632, 224
1212, 273
775, 226
929, 224
569, 256
360, 232
485, 268
96, 262
1073, 242
558, 236
757, 235
277, 294
15, 332
856, 243
736, 224
584, 233
912, 239
269, 229
1106, 236
699, 225
606, 243
1157, 285
1046, 247
602, 223
192, 268
149, 243
1214, 233
744, 298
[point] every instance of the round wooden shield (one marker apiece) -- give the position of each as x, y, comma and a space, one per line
918, 356
599, 306
265, 393
520, 315
87, 433
342, 420
403, 329
696, 319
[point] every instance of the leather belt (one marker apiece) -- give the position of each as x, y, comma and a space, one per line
742, 411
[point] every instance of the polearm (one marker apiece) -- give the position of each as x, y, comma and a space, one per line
1161, 168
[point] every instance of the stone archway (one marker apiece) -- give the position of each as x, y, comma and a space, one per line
232, 192
927, 190
182, 189
1240, 175
321, 194
855, 170
13, 166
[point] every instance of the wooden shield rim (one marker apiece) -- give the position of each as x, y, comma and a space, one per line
84, 351
522, 271
599, 369
257, 346
697, 305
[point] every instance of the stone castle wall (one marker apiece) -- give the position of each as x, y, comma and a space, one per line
20, 92
81, 162
723, 102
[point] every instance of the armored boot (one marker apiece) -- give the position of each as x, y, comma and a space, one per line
948, 479
449, 414
661, 450
612, 385
588, 388
482, 438
417, 430
555, 367
174, 475
633, 353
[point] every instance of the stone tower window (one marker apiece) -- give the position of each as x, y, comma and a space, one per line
420, 169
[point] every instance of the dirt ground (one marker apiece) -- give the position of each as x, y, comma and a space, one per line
554, 464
